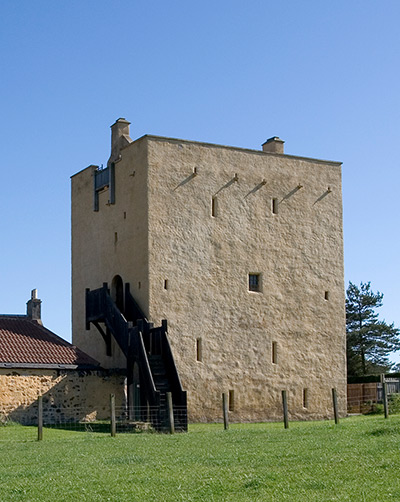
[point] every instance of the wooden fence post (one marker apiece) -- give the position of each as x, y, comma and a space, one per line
285, 409
170, 413
112, 410
385, 398
225, 410
335, 406
40, 418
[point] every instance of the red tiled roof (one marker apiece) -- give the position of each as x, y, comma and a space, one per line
24, 341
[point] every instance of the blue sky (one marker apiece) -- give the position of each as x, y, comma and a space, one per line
324, 76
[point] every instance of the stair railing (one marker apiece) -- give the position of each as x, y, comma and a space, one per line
101, 308
137, 352
178, 394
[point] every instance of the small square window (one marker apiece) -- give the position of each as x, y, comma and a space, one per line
254, 282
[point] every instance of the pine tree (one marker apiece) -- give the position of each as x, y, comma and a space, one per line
369, 340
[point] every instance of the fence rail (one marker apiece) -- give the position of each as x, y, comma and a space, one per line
80, 419
364, 397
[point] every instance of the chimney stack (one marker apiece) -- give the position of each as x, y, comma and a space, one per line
273, 145
119, 138
33, 310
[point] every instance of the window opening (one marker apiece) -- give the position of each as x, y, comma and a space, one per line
117, 292
199, 350
274, 352
165, 283
254, 282
214, 206
326, 295
275, 206
305, 398
231, 402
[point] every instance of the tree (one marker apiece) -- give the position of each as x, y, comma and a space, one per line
369, 340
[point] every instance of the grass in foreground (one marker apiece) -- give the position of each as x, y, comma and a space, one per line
358, 460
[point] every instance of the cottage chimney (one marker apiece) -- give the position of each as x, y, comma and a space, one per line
273, 145
119, 138
33, 310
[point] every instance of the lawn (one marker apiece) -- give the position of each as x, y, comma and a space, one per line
357, 460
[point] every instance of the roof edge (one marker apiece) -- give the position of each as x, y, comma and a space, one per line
50, 366
236, 148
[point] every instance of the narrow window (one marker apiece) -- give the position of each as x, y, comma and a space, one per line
231, 403
305, 398
165, 283
115, 237
326, 295
139, 285
275, 206
254, 282
124, 215
274, 352
199, 350
214, 206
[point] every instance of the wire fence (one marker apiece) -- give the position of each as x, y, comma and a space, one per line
125, 420
371, 398
26, 423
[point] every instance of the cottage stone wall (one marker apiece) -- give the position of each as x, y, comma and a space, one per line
190, 222
67, 394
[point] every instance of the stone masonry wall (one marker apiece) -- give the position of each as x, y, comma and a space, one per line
110, 242
212, 224
188, 260
67, 394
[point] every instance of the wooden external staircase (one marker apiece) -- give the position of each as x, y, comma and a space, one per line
145, 347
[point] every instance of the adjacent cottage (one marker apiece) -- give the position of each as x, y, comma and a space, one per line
36, 362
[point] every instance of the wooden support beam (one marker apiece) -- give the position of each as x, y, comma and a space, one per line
170, 413
285, 409
225, 410
335, 406
112, 412
40, 418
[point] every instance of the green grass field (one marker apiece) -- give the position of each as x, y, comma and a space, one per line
311, 461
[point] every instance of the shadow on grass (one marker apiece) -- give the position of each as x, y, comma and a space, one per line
384, 432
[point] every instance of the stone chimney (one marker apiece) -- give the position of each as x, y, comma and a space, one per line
273, 145
119, 138
33, 307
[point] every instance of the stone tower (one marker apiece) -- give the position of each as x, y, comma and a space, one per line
241, 251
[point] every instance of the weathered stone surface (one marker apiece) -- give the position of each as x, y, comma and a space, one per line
166, 231
85, 392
